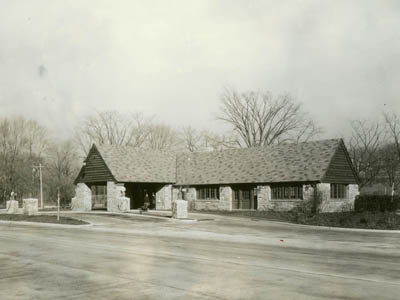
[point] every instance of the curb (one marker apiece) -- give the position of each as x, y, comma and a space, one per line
42, 224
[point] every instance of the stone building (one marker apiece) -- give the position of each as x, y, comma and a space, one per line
279, 177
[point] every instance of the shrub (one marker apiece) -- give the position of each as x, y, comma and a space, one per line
376, 203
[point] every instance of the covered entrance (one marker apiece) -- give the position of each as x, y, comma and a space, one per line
99, 195
139, 192
244, 197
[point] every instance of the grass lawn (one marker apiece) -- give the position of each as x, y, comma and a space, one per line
366, 220
41, 219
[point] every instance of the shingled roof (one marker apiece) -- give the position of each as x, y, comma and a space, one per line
287, 162
128, 164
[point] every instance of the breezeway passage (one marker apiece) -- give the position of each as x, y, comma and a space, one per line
224, 258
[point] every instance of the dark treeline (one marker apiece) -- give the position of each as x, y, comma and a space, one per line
24, 144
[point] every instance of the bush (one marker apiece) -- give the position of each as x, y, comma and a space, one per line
376, 203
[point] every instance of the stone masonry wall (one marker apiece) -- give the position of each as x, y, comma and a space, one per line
353, 192
190, 197
226, 195
83, 198
265, 202
224, 203
264, 197
337, 205
163, 198
175, 192
116, 200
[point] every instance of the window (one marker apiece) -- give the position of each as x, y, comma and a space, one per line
205, 193
287, 192
338, 191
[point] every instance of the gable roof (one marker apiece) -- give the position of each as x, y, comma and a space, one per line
287, 162
128, 164
317, 161
341, 168
94, 169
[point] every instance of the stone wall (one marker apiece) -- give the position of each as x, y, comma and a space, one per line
206, 205
224, 203
226, 195
337, 205
179, 209
164, 198
30, 206
116, 200
12, 206
190, 197
285, 205
265, 201
264, 197
353, 192
175, 193
83, 198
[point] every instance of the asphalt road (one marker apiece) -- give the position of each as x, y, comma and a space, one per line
145, 258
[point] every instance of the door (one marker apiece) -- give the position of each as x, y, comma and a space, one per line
244, 198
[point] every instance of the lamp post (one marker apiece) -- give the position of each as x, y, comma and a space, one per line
41, 183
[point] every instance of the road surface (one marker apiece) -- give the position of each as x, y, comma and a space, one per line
216, 258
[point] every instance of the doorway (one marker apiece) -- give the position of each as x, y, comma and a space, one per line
244, 197
99, 196
139, 193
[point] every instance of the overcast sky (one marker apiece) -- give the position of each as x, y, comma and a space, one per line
60, 60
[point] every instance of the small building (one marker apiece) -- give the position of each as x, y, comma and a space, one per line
278, 177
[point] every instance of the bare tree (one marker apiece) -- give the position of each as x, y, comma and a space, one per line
218, 142
393, 153
161, 137
364, 148
390, 166
393, 125
191, 139
259, 119
111, 127
62, 166
22, 144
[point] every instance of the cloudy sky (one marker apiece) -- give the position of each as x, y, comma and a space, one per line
60, 60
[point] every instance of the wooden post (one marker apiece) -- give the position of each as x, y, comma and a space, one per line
41, 186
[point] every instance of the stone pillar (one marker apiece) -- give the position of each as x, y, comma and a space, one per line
264, 197
179, 209
163, 198
116, 200
353, 192
12, 206
30, 206
225, 201
323, 195
83, 198
175, 192
190, 197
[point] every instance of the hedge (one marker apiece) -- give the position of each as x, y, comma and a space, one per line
375, 203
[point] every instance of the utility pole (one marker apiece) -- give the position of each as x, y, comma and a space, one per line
58, 205
41, 184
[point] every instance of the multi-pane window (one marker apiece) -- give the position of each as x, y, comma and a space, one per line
338, 191
242, 194
208, 192
287, 192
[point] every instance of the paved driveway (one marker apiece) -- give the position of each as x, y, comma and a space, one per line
223, 258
